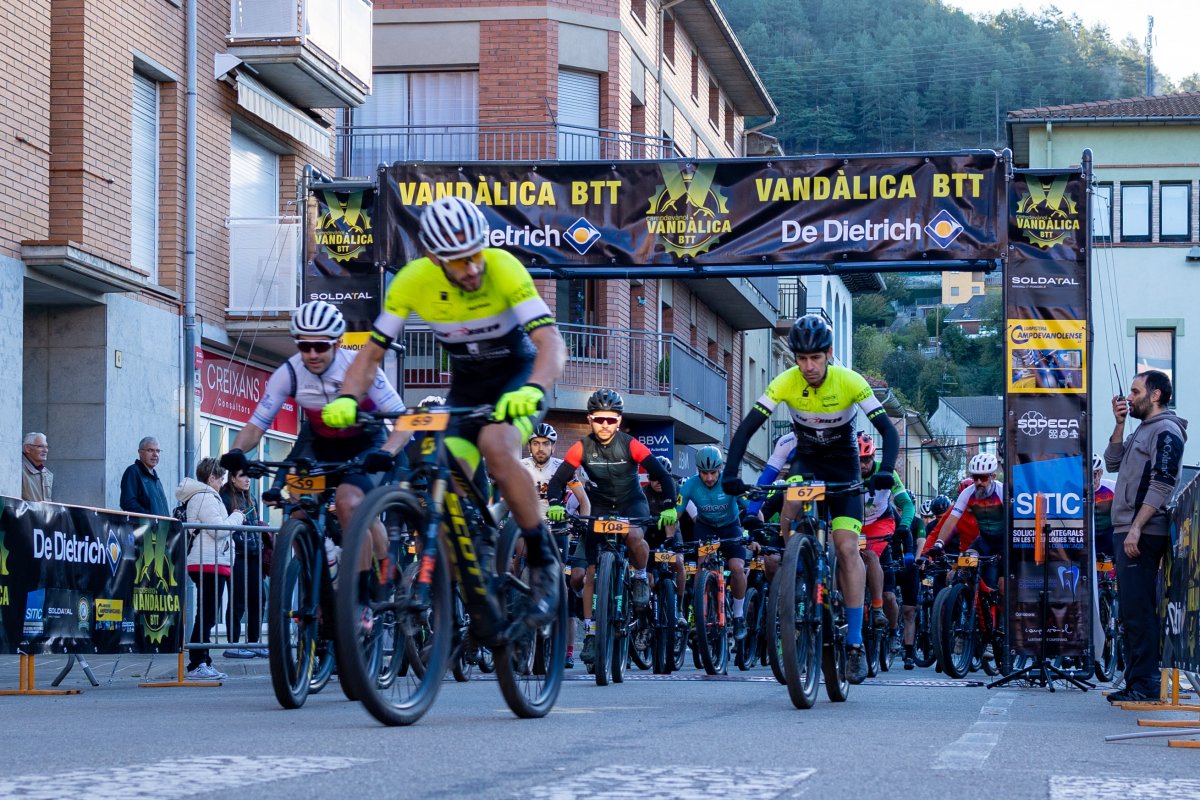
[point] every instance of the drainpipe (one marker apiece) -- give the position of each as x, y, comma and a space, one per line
662, 18
1049, 145
189, 250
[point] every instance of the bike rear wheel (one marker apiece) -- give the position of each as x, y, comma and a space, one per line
529, 667
711, 634
923, 651
323, 667
800, 621
292, 622
1107, 664
377, 613
663, 646
958, 631
746, 650
771, 631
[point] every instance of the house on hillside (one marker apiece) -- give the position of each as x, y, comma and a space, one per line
1146, 261
968, 317
968, 425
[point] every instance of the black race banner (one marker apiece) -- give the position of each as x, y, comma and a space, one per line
1047, 430
923, 208
340, 255
1180, 608
83, 580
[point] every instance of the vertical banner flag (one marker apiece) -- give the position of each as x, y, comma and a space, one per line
1179, 610
340, 265
83, 580
1047, 425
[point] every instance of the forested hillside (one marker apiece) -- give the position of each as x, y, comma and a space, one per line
881, 75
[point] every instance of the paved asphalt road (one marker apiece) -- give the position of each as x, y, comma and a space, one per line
907, 735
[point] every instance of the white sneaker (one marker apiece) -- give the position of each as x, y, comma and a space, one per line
204, 672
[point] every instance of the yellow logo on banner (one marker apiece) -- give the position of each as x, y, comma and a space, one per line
344, 230
109, 610
154, 575
1045, 214
355, 340
3, 556
687, 212
1047, 356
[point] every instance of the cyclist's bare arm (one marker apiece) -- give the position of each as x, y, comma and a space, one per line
364, 367
585, 504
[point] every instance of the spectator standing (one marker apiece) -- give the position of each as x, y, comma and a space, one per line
209, 558
141, 490
37, 482
248, 568
1148, 465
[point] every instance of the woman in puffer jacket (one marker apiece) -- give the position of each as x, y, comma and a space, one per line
209, 558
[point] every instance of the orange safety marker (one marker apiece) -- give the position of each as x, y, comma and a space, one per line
25, 680
1189, 743
1039, 524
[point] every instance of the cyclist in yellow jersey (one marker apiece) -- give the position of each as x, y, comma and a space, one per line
823, 399
504, 349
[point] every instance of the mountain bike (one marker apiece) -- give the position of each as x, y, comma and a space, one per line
455, 531
1112, 653
655, 632
610, 611
875, 639
301, 648
932, 572
970, 621
711, 604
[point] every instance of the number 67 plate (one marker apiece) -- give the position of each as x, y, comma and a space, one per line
806, 492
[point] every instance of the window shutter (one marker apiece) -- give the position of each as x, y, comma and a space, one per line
253, 178
578, 115
144, 221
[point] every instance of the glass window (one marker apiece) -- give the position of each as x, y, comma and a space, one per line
1102, 197
1156, 350
1135, 212
954, 291
1175, 212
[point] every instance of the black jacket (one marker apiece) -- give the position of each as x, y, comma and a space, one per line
142, 491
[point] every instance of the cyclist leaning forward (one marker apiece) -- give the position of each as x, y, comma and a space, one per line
983, 501
610, 459
504, 349
822, 398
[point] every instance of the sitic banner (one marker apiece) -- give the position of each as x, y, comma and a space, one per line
82, 580
932, 207
1047, 428
1180, 610
341, 256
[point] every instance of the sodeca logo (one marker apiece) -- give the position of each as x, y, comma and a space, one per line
58, 547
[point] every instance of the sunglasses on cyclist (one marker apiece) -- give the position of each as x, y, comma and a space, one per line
605, 420
978, 478
314, 347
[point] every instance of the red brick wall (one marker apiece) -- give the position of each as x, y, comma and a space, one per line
25, 121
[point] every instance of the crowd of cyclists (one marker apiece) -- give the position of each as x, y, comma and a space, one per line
505, 352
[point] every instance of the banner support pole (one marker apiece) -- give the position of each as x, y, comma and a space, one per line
25, 681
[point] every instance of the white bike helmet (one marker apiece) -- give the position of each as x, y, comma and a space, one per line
318, 318
1097, 463
983, 464
432, 400
452, 227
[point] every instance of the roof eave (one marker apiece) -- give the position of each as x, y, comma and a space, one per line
749, 94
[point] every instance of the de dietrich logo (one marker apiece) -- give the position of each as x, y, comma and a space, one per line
154, 595
687, 212
344, 230
1045, 215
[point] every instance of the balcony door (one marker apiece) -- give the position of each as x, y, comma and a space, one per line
263, 263
578, 115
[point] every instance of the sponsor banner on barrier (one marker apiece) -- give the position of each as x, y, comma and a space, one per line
1179, 611
341, 257
82, 580
1047, 431
744, 211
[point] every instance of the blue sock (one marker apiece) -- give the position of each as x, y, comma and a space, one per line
854, 618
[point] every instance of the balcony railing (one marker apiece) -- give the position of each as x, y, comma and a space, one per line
361, 148
793, 298
264, 264
632, 362
338, 28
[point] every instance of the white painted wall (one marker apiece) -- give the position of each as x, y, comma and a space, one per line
12, 315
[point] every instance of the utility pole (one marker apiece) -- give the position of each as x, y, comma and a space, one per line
1149, 56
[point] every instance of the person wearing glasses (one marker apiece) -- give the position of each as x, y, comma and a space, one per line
313, 377
37, 482
982, 501
610, 458
141, 490
504, 349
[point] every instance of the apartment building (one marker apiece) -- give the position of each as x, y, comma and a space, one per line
95, 249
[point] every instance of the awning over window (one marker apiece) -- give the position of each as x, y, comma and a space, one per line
274, 110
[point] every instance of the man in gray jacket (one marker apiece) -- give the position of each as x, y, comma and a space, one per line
1148, 466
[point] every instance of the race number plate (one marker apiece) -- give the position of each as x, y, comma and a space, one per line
661, 557
968, 561
756, 564
306, 484
422, 422
806, 492
708, 549
610, 527
1104, 566
412, 549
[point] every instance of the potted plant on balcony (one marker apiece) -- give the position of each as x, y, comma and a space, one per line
664, 372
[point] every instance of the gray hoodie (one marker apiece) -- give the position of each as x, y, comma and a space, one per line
1148, 465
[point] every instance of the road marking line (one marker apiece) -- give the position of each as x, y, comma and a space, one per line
1101, 788
671, 783
971, 749
181, 777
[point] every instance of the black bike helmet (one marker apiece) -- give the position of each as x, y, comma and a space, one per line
940, 505
606, 400
810, 334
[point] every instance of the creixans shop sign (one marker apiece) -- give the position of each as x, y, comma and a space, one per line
231, 389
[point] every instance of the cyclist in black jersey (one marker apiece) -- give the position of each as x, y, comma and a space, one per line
504, 349
610, 458
822, 399
658, 500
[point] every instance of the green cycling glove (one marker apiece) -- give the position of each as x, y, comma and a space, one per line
669, 516
519, 403
556, 513
340, 413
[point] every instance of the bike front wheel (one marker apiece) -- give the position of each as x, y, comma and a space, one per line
800, 621
380, 615
292, 621
771, 630
663, 646
958, 631
1107, 664
712, 636
529, 667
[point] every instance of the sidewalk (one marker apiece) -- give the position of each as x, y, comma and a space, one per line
124, 670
